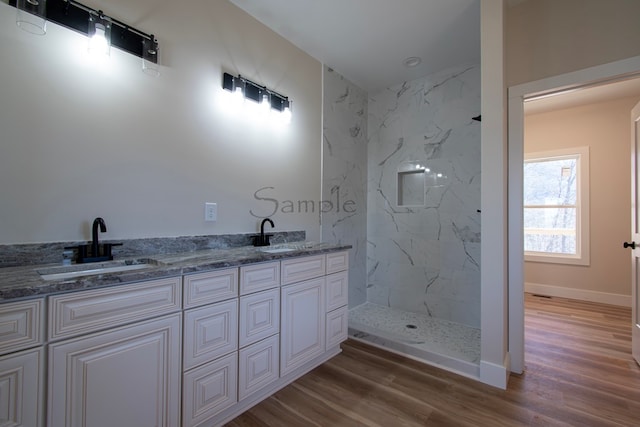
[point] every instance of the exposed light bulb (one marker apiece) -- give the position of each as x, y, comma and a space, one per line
98, 43
265, 105
238, 95
286, 115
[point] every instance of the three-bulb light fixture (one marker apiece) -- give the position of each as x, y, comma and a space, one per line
32, 16
264, 99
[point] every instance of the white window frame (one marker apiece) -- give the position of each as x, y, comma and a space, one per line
582, 256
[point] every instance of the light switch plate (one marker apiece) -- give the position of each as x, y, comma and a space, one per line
210, 211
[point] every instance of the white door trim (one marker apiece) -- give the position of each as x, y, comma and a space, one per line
517, 95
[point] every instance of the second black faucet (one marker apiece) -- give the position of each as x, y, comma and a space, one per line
263, 239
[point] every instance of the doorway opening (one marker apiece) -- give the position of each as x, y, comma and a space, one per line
553, 89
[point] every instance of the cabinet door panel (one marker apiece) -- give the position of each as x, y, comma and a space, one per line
209, 389
125, 377
259, 316
22, 389
302, 323
258, 366
210, 332
337, 290
337, 326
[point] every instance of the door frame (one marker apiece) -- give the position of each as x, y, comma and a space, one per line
517, 95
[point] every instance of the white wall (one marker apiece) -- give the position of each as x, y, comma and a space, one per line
551, 37
345, 175
495, 298
604, 128
146, 153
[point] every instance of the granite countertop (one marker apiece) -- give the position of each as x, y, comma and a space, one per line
26, 282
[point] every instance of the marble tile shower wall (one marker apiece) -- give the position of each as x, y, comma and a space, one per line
425, 257
345, 175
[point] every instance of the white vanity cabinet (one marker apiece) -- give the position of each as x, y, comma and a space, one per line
119, 364
194, 350
22, 359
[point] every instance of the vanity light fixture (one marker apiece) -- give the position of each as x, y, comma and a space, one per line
32, 15
243, 89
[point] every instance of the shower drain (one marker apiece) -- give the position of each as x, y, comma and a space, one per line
411, 326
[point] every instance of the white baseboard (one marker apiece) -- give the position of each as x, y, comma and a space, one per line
579, 294
495, 375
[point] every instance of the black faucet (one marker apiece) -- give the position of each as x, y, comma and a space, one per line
263, 239
94, 251
98, 222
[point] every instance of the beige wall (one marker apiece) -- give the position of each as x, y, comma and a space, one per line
604, 127
146, 153
551, 37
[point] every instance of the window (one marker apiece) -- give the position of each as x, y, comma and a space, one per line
556, 206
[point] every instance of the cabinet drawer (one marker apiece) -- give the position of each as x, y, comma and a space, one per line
338, 261
259, 316
209, 389
337, 327
21, 325
87, 311
209, 332
210, 287
258, 277
258, 366
337, 290
299, 269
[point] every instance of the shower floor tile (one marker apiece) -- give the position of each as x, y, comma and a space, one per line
446, 344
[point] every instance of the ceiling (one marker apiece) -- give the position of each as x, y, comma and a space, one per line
582, 96
367, 40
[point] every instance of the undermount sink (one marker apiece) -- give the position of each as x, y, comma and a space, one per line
276, 250
285, 247
79, 270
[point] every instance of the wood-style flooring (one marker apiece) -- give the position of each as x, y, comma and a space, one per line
579, 372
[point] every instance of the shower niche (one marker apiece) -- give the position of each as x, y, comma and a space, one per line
411, 185
414, 179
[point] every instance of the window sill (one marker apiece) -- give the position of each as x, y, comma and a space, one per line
556, 259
